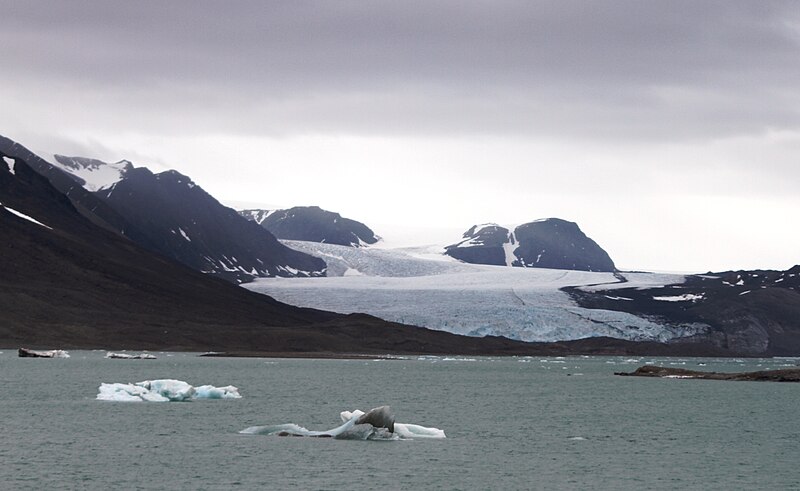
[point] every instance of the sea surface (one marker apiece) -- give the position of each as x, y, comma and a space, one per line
511, 423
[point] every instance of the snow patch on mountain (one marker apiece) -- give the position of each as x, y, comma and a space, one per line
688, 297
11, 163
510, 247
257, 215
24, 216
93, 174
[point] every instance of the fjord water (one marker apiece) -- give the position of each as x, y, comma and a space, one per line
511, 423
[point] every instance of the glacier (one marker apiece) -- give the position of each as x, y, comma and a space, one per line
163, 390
357, 425
422, 287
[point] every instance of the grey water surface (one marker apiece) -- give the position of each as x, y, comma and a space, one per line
511, 423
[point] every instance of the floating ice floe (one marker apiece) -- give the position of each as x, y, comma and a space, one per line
377, 424
29, 353
125, 356
165, 390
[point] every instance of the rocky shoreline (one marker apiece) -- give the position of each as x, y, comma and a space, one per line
785, 375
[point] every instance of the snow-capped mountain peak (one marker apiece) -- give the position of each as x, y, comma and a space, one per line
93, 174
256, 215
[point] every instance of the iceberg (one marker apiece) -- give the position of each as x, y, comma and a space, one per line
29, 353
164, 390
125, 356
376, 424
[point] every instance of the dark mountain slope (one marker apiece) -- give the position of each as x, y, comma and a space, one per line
313, 224
751, 312
483, 244
86, 203
559, 244
74, 284
168, 214
185, 223
550, 243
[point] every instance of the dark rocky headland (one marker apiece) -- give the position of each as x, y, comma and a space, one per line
785, 375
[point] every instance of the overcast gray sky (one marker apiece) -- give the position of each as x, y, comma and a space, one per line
669, 130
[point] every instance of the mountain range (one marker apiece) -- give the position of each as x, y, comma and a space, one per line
111, 255
70, 283
167, 213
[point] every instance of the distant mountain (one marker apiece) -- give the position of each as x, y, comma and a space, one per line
190, 226
313, 224
550, 243
85, 202
67, 282
169, 214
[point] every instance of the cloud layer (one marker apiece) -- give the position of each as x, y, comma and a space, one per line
679, 100
623, 69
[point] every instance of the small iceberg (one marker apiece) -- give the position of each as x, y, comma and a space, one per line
377, 424
125, 356
29, 353
165, 390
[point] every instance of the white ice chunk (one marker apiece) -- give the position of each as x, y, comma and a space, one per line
211, 392
55, 353
163, 390
351, 430
173, 390
409, 431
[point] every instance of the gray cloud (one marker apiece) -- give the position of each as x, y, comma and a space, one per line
622, 70
665, 128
